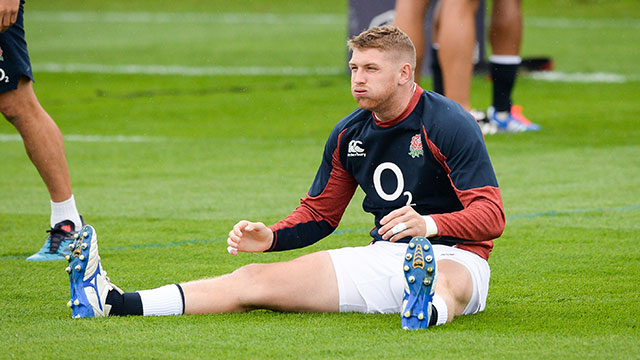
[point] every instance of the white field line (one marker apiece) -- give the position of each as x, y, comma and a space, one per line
91, 138
133, 69
271, 18
598, 77
184, 17
184, 70
581, 23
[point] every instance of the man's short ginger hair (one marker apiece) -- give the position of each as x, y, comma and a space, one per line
385, 38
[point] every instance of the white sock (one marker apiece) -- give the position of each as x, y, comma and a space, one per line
505, 59
165, 300
441, 307
65, 210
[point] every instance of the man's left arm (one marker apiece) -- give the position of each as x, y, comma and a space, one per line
481, 219
465, 159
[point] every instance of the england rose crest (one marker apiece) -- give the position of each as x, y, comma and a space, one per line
415, 148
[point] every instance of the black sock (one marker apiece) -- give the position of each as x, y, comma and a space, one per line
504, 78
436, 72
124, 304
433, 320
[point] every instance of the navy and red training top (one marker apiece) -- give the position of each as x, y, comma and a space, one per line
431, 157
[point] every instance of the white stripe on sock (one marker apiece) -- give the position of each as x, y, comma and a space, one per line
165, 300
441, 307
505, 59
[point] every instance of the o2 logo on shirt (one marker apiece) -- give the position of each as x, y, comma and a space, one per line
3, 76
377, 183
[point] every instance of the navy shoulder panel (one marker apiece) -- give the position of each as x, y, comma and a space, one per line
458, 137
324, 172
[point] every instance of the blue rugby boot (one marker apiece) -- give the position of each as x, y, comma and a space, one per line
419, 284
88, 280
56, 247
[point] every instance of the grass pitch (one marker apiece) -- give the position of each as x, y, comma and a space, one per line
164, 165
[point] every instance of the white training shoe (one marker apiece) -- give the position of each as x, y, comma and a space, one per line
486, 126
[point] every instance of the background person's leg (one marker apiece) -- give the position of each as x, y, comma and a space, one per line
41, 136
456, 37
409, 17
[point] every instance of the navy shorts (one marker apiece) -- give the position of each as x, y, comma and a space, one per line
14, 57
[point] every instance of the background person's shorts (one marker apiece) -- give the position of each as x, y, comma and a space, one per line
14, 58
371, 280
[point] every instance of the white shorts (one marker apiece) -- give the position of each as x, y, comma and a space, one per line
371, 280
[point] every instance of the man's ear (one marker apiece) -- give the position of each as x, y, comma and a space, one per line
406, 74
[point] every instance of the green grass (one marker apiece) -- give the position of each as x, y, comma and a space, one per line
564, 274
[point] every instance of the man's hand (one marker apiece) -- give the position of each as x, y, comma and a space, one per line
401, 223
8, 13
249, 237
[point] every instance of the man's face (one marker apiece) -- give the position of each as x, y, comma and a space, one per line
374, 78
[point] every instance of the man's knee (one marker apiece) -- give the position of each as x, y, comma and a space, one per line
9, 109
15, 104
255, 285
249, 272
455, 285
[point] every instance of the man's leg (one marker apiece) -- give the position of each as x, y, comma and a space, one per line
409, 17
436, 69
44, 145
505, 36
307, 283
454, 286
42, 138
287, 286
456, 39
422, 304
505, 30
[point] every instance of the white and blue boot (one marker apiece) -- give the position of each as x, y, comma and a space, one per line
419, 284
88, 281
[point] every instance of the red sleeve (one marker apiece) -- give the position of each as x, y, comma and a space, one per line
482, 218
317, 216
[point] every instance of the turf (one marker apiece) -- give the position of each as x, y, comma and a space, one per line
215, 149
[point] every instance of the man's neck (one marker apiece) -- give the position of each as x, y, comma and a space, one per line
399, 104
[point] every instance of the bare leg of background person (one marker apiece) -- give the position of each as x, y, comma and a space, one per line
44, 145
41, 136
456, 39
505, 30
410, 19
505, 36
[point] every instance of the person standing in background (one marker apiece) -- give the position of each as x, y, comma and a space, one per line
452, 55
41, 136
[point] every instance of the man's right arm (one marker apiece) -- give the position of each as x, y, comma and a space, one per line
321, 210
248, 236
